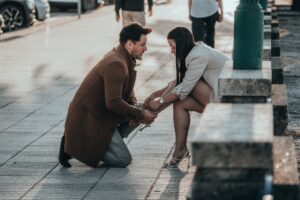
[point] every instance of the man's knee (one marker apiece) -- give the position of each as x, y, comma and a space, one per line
122, 161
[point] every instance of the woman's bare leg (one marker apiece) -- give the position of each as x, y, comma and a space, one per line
199, 98
181, 118
201, 93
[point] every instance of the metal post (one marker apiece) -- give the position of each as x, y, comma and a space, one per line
264, 4
248, 35
79, 8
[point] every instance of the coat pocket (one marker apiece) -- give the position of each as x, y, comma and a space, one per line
93, 109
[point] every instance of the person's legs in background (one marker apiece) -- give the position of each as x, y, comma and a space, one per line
198, 29
139, 17
210, 29
133, 16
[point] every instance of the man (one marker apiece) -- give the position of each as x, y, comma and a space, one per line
104, 100
204, 14
132, 11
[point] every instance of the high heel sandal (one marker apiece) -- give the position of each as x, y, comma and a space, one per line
174, 162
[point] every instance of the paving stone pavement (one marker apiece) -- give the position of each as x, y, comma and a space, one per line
40, 71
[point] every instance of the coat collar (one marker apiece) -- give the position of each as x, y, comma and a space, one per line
129, 59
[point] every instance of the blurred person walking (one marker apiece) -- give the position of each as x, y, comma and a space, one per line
204, 14
132, 11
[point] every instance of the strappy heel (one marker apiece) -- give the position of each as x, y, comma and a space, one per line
174, 162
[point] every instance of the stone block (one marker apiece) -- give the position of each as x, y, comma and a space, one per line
227, 184
280, 108
267, 49
267, 20
275, 33
285, 175
275, 47
267, 32
233, 136
268, 11
274, 23
274, 15
277, 70
245, 84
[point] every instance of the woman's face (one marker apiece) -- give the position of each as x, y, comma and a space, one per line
172, 45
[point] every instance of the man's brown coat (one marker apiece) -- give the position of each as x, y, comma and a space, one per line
104, 99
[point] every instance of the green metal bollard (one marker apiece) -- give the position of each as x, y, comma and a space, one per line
264, 4
248, 35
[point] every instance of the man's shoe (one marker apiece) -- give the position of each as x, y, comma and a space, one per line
63, 157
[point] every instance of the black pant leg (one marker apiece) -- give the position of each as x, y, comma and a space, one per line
210, 27
198, 29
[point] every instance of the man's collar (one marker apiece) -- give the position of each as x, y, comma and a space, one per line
131, 62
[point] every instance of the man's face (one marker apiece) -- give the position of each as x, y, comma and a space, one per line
139, 48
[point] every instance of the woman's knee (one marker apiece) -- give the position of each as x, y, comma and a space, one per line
178, 105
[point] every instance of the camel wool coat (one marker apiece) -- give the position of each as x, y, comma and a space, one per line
104, 99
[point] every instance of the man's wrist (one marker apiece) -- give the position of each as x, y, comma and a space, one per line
161, 100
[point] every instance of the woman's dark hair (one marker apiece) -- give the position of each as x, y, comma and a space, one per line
133, 32
184, 43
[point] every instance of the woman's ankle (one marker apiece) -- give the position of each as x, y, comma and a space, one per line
178, 153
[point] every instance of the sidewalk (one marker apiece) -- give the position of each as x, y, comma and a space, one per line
38, 82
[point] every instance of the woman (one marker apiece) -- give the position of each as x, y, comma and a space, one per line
197, 69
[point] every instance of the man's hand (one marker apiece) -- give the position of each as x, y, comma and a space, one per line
149, 117
220, 17
148, 100
133, 123
154, 105
117, 18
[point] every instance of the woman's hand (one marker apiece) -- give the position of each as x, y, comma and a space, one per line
155, 104
148, 100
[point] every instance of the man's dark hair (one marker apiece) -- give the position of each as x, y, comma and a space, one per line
133, 32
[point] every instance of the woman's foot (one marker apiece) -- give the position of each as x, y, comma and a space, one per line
176, 159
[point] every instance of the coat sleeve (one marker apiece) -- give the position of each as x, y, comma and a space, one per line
114, 77
132, 100
195, 69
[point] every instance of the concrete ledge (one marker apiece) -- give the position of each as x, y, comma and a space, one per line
275, 33
226, 184
274, 23
285, 175
267, 20
274, 14
275, 47
267, 49
247, 84
267, 32
277, 70
280, 108
268, 11
233, 136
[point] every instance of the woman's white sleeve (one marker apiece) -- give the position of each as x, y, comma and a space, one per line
195, 70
